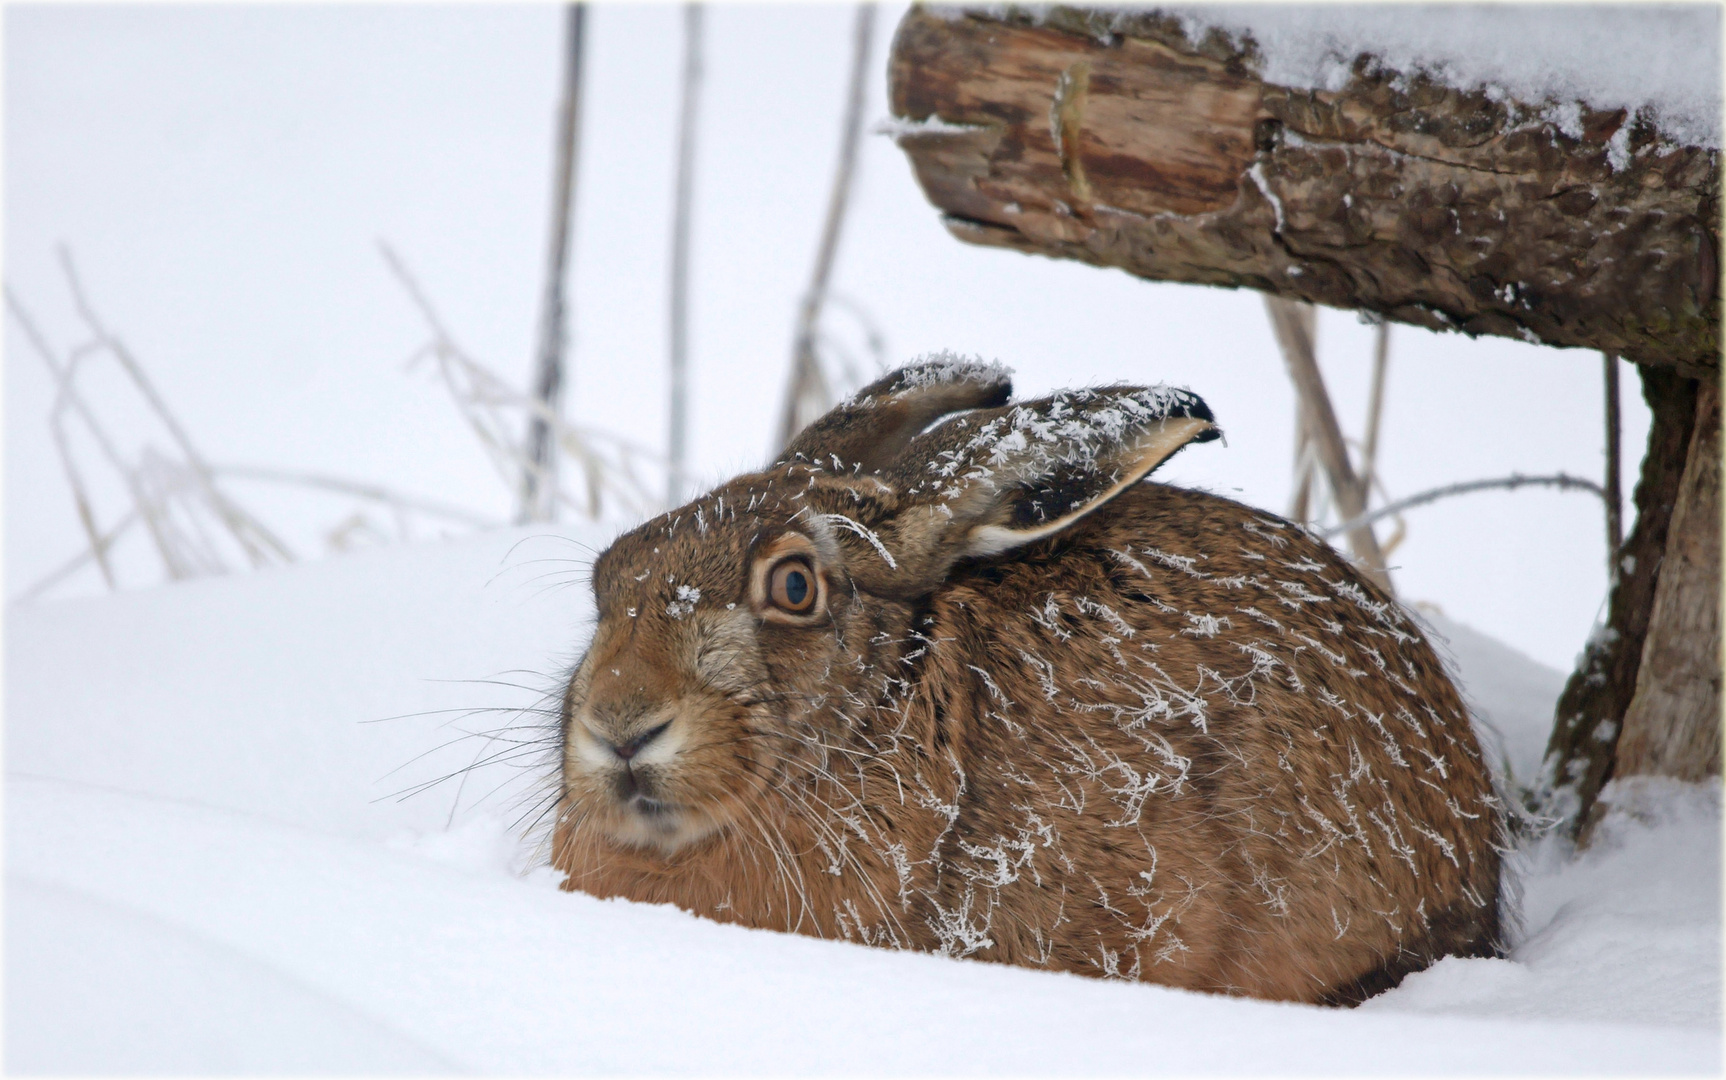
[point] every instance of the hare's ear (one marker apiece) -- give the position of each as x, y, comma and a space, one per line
987, 482
868, 431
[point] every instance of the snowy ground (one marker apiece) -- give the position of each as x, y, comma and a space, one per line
205, 873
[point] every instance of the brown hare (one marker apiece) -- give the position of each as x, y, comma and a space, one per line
970, 686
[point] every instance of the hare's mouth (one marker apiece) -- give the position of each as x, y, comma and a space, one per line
642, 820
640, 799
649, 808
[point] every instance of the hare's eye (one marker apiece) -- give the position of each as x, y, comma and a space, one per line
792, 586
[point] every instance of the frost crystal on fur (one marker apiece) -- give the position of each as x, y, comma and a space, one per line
1041, 713
687, 595
940, 368
1071, 430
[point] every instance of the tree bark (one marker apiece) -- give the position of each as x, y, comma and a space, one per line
1672, 727
1111, 138
1590, 712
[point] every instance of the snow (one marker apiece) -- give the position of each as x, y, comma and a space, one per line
1663, 56
173, 1001
898, 128
206, 872
687, 595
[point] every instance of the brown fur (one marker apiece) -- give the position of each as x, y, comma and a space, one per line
1180, 740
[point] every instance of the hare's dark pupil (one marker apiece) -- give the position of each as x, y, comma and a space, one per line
796, 587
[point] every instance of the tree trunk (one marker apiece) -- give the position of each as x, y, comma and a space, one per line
1114, 139
1111, 138
1672, 727
1591, 710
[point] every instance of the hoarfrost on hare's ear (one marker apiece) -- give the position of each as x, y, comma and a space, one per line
948, 675
1101, 429
936, 369
995, 479
866, 431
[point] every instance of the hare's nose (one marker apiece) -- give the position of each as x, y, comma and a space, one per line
628, 750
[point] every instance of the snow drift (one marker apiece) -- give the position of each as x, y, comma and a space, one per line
208, 871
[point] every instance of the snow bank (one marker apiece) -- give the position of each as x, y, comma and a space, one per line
1664, 56
206, 873
1638, 911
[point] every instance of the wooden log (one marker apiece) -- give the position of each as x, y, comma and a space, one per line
1112, 138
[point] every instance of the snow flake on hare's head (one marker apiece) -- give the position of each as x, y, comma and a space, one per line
687, 595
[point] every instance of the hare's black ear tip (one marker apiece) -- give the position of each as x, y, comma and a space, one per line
1191, 405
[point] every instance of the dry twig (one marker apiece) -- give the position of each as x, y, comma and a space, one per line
809, 394
1613, 493
539, 471
177, 495
1563, 481
676, 470
1294, 335
610, 467
172, 495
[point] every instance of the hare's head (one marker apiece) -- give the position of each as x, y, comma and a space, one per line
746, 637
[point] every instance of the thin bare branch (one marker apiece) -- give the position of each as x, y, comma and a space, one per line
540, 479
67, 397
1297, 348
1613, 494
676, 473
1375, 405
373, 492
254, 538
77, 562
1307, 489
489, 405
1563, 481
81, 500
808, 394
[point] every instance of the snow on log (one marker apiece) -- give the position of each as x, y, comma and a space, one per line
1117, 139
